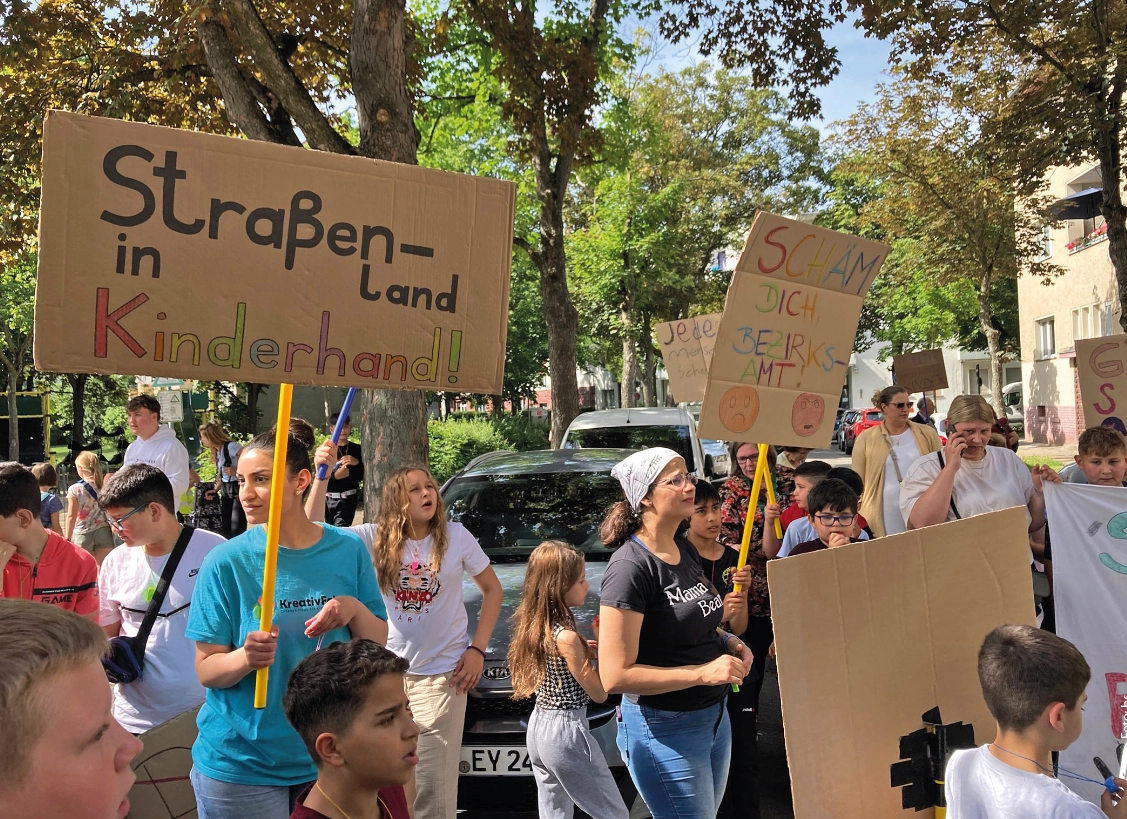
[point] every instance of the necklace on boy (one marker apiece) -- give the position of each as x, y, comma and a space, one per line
1061, 771
384, 810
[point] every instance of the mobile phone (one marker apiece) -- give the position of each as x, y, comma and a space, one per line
1104, 770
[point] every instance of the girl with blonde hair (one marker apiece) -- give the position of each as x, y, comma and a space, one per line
420, 561
87, 525
225, 453
548, 658
968, 477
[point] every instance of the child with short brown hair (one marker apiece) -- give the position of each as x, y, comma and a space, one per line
50, 506
1034, 685
63, 753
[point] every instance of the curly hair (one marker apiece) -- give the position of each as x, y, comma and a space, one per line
393, 527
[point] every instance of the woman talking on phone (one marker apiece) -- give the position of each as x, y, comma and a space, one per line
968, 477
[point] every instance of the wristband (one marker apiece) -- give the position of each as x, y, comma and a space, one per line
471, 646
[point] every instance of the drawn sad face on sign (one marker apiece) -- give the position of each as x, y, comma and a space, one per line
739, 408
807, 414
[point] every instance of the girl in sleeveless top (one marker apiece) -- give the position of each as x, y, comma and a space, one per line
548, 658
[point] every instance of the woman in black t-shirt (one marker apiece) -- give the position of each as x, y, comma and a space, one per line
659, 645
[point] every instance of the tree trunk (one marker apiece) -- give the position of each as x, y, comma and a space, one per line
253, 392
559, 312
1109, 150
393, 434
496, 407
13, 415
77, 383
993, 343
629, 354
649, 370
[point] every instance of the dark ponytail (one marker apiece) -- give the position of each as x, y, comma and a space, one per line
301, 440
621, 522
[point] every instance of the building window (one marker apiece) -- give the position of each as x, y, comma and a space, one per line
1047, 241
1091, 321
1046, 338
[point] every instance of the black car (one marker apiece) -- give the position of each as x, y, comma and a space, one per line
512, 502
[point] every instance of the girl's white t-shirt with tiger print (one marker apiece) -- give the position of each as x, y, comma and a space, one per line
426, 617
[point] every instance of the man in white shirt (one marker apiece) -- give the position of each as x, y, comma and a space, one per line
139, 505
156, 445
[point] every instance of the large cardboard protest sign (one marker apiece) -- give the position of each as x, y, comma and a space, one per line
787, 332
686, 348
175, 253
872, 635
162, 790
920, 372
1089, 538
1101, 364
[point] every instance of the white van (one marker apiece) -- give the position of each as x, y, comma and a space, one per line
1015, 409
640, 428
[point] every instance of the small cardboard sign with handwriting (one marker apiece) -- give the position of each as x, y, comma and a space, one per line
787, 332
162, 789
686, 348
1101, 364
872, 635
920, 372
179, 254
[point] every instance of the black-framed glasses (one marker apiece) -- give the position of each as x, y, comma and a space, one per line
901, 405
116, 522
834, 520
678, 481
747, 459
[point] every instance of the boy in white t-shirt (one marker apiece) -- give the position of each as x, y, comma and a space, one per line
1033, 683
139, 505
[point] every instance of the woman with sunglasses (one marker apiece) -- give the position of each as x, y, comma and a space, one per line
659, 643
882, 456
249, 762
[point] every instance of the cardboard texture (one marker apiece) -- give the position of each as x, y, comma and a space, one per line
1101, 364
162, 790
872, 635
786, 334
920, 372
175, 253
686, 348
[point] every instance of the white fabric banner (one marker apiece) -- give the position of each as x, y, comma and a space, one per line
1088, 531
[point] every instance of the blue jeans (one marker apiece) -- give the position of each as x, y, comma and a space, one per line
677, 759
226, 800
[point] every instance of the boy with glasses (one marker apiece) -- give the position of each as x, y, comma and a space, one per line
38, 564
139, 505
833, 508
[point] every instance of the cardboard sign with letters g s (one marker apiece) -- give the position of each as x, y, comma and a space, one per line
920, 372
787, 333
872, 635
1101, 364
686, 348
173, 253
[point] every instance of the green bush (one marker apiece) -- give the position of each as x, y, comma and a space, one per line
454, 443
522, 433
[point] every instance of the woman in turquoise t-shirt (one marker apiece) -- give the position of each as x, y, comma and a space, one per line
249, 762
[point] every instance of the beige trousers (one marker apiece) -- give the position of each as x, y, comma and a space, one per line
440, 713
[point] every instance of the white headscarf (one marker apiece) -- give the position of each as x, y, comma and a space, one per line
640, 470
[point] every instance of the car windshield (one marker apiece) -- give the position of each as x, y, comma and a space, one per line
510, 515
874, 416
634, 436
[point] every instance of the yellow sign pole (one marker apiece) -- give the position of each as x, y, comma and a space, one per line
753, 502
770, 481
273, 526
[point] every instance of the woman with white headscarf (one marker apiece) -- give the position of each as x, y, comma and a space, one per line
659, 643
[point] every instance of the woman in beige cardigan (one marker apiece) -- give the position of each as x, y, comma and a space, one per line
882, 455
